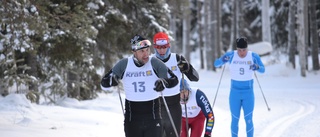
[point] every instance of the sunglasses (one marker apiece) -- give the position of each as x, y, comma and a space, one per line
141, 45
161, 46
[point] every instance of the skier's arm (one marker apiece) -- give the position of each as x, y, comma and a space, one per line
162, 71
191, 74
219, 62
116, 73
257, 60
205, 106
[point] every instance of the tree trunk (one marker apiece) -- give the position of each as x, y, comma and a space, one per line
208, 58
302, 18
218, 27
31, 60
3, 88
200, 31
4, 85
208, 55
266, 32
235, 24
186, 32
292, 34
306, 31
241, 22
314, 35
212, 21
173, 28
72, 85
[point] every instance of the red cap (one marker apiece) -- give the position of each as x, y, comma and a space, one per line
160, 39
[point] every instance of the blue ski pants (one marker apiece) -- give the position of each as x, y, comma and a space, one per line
241, 99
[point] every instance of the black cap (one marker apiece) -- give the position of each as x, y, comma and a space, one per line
137, 38
138, 42
242, 43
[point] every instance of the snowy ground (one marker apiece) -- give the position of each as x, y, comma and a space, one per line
294, 103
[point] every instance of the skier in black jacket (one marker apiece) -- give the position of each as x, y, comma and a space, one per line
179, 66
142, 77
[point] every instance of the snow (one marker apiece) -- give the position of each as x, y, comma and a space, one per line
261, 48
294, 103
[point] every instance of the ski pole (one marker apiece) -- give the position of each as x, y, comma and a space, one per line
218, 86
169, 114
262, 91
120, 100
185, 108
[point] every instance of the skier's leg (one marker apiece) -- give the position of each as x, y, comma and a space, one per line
153, 128
248, 107
197, 125
131, 129
235, 106
176, 114
173, 103
183, 132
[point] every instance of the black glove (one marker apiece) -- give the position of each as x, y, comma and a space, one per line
207, 135
183, 64
160, 84
110, 80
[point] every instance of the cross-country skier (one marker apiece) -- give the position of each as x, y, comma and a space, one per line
242, 64
198, 111
178, 65
142, 76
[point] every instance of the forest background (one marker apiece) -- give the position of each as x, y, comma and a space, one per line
61, 48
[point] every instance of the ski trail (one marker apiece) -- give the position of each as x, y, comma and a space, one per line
276, 128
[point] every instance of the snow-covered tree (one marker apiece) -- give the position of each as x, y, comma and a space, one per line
19, 45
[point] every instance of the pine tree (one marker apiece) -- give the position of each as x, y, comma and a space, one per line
18, 47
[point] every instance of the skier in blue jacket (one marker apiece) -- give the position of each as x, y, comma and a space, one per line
242, 64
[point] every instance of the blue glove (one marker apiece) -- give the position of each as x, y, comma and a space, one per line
254, 67
225, 58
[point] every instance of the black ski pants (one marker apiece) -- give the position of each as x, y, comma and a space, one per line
174, 106
143, 119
